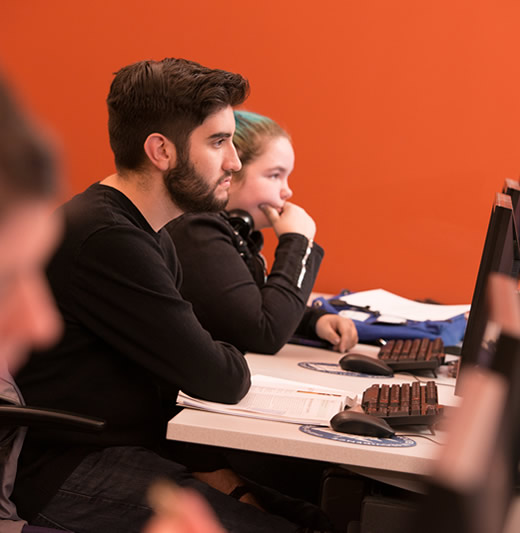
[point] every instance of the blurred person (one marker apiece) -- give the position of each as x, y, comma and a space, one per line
28, 234
179, 511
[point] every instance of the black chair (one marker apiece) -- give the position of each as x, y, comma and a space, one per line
17, 416
14, 416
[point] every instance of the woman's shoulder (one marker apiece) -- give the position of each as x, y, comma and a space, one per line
201, 228
187, 220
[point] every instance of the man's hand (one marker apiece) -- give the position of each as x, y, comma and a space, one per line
293, 219
339, 331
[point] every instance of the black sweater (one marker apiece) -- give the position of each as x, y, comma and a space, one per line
223, 277
131, 342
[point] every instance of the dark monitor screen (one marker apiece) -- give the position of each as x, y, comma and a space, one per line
512, 188
500, 254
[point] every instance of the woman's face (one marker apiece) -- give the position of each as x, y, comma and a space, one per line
28, 316
265, 181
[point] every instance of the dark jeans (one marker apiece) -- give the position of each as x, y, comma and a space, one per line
107, 493
294, 477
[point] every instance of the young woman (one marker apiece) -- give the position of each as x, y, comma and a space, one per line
224, 273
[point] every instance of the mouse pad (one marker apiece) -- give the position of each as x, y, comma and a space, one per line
334, 368
327, 433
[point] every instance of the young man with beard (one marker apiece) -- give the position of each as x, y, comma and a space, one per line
131, 341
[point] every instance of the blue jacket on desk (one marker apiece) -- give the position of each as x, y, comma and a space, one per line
450, 331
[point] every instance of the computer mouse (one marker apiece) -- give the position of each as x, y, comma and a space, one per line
357, 423
358, 362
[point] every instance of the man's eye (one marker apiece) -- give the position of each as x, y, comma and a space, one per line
220, 142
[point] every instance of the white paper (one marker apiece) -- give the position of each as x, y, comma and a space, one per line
354, 315
390, 319
281, 399
396, 306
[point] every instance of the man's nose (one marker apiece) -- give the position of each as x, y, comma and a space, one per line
232, 161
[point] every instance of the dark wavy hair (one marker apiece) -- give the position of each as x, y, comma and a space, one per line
28, 168
172, 97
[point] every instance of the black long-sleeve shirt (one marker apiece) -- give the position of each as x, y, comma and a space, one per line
131, 342
223, 277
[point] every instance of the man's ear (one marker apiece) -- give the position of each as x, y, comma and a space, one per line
160, 151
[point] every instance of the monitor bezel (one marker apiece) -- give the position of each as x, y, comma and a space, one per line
499, 254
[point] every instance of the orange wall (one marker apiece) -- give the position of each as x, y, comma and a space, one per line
404, 114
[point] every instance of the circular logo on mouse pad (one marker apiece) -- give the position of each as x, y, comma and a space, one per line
327, 433
333, 368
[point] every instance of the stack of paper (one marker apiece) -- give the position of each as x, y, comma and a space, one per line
394, 308
282, 400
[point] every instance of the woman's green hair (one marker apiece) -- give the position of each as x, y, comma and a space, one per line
251, 132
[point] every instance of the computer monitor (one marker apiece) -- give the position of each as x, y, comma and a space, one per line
474, 477
501, 253
512, 188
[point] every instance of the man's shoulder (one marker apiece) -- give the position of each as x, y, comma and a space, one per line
98, 208
100, 218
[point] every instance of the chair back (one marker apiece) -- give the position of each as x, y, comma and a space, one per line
11, 440
15, 417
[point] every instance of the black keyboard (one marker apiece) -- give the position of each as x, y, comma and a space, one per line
413, 354
408, 403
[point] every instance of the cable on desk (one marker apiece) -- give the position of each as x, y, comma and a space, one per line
425, 380
415, 435
452, 385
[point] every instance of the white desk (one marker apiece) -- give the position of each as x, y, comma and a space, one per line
400, 466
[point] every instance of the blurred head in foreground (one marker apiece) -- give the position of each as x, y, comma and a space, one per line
29, 233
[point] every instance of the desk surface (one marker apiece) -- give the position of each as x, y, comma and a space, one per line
400, 466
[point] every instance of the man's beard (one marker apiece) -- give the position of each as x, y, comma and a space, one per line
190, 192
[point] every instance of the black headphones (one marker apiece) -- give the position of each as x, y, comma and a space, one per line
242, 222
250, 241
